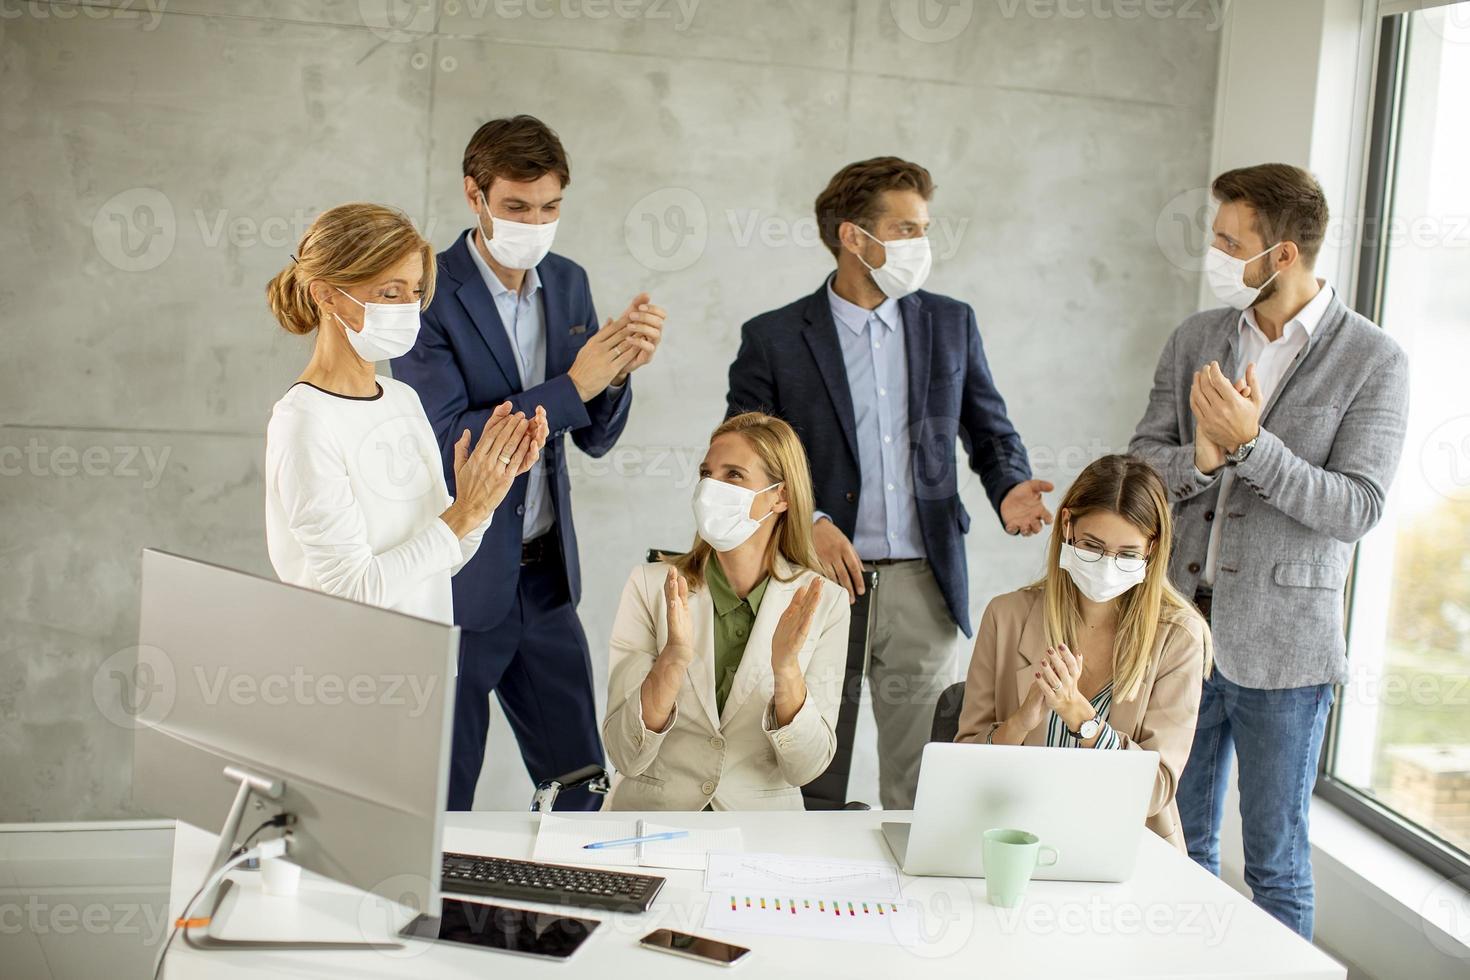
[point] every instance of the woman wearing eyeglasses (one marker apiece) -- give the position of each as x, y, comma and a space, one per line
1102, 653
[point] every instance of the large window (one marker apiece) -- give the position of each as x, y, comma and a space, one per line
1399, 753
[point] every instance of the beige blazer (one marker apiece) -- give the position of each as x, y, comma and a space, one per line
1161, 717
736, 759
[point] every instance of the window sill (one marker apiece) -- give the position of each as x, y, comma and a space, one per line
1435, 907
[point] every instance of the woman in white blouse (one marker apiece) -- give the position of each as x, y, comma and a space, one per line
727, 661
356, 500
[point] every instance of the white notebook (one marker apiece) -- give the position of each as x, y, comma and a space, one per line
560, 840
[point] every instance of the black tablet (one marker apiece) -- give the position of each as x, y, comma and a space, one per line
508, 930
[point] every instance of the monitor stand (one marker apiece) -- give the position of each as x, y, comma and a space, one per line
250, 783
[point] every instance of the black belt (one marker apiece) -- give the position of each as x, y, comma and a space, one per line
890, 561
540, 549
1202, 599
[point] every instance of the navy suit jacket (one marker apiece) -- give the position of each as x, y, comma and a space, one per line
790, 364
463, 366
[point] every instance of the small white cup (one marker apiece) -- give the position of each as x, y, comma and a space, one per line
279, 876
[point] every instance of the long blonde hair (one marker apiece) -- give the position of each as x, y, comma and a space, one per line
1132, 489
345, 246
781, 453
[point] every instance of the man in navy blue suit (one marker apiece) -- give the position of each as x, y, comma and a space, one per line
878, 378
511, 321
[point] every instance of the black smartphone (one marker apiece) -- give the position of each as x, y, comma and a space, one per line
695, 947
509, 930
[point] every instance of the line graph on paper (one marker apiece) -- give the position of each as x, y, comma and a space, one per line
784, 873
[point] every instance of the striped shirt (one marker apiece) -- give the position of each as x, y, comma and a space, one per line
1056, 729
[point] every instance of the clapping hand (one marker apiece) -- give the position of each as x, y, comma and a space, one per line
621, 346
679, 647
1226, 413
509, 445
791, 630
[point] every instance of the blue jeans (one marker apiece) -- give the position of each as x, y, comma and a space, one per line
1277, 736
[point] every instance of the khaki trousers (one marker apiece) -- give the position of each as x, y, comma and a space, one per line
911, 660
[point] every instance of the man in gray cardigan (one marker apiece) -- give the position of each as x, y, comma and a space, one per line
1277, 423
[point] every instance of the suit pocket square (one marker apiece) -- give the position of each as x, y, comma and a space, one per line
578, 330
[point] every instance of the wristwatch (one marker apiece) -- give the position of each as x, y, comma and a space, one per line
1089, 729
1243, 451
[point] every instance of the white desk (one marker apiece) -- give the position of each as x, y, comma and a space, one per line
1172, 919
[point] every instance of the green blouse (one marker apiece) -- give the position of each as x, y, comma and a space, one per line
734, 618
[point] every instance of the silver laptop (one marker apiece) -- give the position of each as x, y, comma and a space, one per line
1089, 805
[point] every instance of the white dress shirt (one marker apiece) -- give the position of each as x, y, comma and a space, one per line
1272, 358
353, 492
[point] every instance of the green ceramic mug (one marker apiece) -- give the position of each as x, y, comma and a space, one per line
1010, 858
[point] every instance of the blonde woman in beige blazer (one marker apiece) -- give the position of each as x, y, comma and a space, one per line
726, 662
1103, 653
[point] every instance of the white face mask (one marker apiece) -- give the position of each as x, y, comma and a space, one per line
388, 329
722, 513
905, 267
516, 244
1227, 278
1099, 580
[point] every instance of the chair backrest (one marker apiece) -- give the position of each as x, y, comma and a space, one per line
947, 713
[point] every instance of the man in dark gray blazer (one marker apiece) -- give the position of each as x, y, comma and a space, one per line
1278, 423
880, 379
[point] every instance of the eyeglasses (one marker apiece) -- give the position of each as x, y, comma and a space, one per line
1126, 561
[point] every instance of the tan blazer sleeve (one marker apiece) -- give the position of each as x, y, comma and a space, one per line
805, 746
633, 648
977, 715
1167, 725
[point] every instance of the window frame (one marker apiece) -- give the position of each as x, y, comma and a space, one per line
1394, 34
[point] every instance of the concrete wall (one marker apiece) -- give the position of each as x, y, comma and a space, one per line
156, 167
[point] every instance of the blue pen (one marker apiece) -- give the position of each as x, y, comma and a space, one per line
623, 842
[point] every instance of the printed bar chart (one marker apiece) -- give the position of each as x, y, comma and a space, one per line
812, 917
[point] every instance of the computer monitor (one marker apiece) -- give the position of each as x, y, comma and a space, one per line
254, 698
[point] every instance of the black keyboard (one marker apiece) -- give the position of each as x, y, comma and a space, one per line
493, 877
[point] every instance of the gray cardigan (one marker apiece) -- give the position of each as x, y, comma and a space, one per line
1331, 437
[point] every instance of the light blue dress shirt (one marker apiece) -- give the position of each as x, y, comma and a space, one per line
525, 324
878, 377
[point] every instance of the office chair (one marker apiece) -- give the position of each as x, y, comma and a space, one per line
594, 777
829, 790
947, 713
